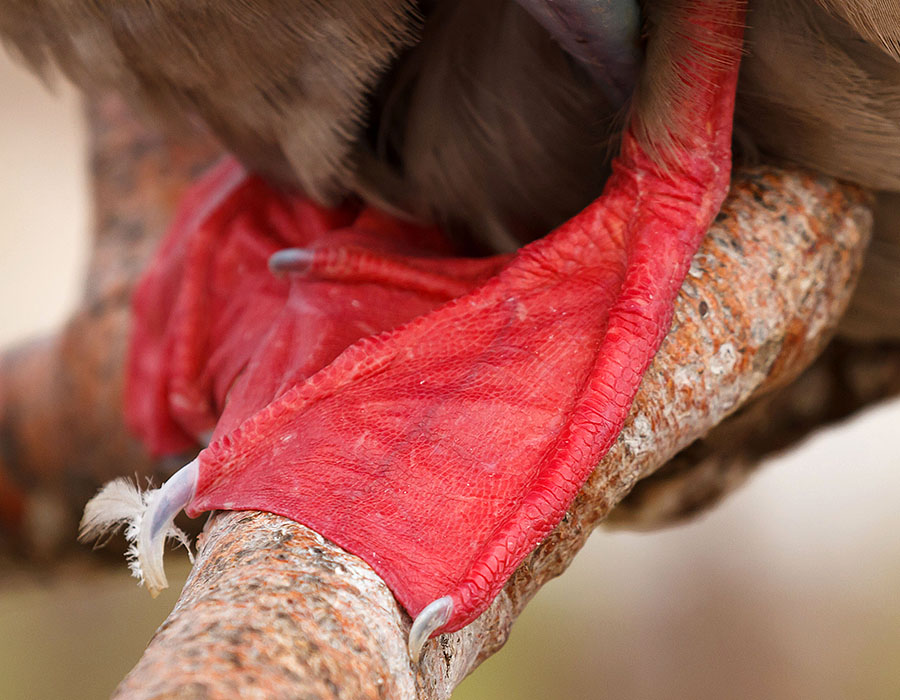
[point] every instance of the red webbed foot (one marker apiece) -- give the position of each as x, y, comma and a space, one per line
218, 336
436, 432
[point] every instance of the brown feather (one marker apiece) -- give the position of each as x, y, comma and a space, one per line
877, 21
874, 312
813, 93
495, 130
282, 83
485, 125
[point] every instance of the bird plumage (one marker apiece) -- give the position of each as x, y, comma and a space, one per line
283, 84
468, 113
316, 93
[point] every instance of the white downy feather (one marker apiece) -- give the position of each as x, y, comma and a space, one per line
148, 520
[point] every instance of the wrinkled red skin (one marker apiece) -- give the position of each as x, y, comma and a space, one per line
440, 451
212, 323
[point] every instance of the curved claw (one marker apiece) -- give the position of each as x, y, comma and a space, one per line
433, 616
157, 524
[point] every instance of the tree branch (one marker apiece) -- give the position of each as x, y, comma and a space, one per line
61, 427
846, 378
273, 610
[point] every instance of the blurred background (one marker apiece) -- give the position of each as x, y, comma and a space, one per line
791, 589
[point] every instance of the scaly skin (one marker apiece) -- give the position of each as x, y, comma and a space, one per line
440, 451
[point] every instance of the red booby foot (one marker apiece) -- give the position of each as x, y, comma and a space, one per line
434, 416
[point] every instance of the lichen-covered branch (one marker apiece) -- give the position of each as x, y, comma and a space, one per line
272, 610
846, 378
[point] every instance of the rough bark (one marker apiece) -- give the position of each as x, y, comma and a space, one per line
272, 610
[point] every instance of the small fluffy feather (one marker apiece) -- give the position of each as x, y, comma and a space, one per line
122, 503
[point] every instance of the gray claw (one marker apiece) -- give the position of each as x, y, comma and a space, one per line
290, 260
156, 524
433, 617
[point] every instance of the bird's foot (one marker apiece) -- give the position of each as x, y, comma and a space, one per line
439, 440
